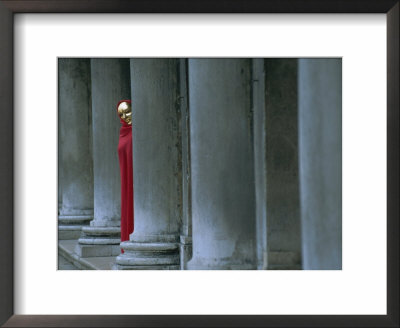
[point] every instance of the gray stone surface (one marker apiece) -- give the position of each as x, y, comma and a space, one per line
281, 126
151, 247
186, 230
83, 250
70, 226
135, 259
75, 165
64, 264
99, 241
102, 231
66, 250
74, 137
284, 260
260, 167
185, 250
145, 267
320, 143
156, 142
110, 84
156, 160
222, 166
70, 220
69, 232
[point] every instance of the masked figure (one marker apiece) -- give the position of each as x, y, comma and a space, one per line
126, 168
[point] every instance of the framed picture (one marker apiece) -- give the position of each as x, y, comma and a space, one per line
37, 43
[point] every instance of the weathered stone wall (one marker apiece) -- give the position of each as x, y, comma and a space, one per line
320, 149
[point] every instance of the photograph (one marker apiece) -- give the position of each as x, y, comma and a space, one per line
199, 163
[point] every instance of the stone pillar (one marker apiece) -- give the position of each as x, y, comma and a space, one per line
282, 193
154, 244
222, 164
320, 143
110, 83
260, 167
75, 171
186, 231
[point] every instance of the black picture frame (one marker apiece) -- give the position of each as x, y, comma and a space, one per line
7, 10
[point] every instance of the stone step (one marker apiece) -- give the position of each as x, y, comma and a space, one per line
125, 259
69, 232
99, 241
83, 250
66, 249
64, 264
145, 267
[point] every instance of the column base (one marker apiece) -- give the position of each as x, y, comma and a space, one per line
99, 241
148, 256
186, 250
218, 264
111, 223
70, 226
283, 260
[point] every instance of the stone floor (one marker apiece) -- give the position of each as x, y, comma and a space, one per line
69, 260
64, 264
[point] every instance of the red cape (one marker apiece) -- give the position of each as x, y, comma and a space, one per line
126, 172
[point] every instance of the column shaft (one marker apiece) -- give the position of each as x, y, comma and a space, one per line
282, 178
320, 134
260, 167
222, 164
154, 244
186, 232
75, 165
110, 83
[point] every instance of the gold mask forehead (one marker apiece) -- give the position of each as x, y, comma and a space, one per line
124, 107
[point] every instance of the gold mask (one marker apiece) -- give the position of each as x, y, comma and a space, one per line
125, 112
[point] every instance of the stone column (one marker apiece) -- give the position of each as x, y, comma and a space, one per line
154, 244
260, 167
320, 145
75, 171
222, 164
110, 83
282, 193
186, 231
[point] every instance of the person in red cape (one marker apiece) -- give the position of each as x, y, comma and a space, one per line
124, 110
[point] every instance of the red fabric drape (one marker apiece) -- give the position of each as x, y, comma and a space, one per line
126, 173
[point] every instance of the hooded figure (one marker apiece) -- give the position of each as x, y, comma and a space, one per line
124, 110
